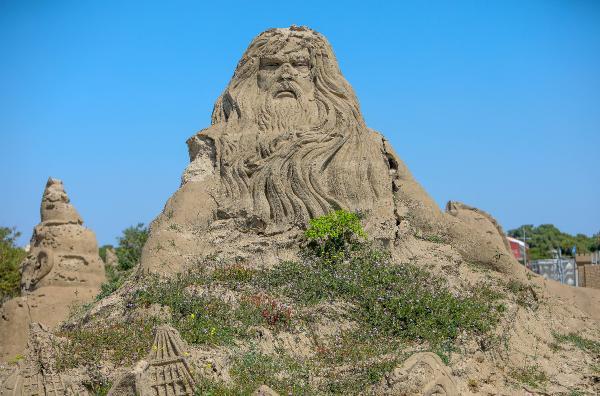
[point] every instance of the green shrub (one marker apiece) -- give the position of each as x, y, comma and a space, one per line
334, 233
10, 261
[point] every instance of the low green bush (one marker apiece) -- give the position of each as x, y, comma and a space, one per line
334, 233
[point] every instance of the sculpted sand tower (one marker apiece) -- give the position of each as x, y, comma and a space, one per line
288, 143
62, 267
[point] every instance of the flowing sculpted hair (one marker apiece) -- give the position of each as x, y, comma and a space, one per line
292, 175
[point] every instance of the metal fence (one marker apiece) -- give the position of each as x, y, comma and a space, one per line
560, 269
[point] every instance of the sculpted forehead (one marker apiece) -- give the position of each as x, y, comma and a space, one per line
291, 47
291, 53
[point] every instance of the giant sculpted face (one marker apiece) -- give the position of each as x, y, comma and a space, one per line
286, 74
286, 89
289, 80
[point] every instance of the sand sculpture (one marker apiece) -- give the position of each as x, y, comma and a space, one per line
62, 268
36, 374
288, 143
165, 372
421, 374
111, 259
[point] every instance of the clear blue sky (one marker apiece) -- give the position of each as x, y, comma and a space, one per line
496, 104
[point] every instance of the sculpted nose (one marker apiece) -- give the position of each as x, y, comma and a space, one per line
287, 71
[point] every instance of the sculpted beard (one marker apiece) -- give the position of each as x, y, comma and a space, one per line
285, 114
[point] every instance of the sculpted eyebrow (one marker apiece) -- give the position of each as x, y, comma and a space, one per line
299, 59
272, 59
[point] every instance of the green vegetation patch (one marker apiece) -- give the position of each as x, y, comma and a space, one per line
129, 252
10, 261
388, 306
204, 319
529, 375
252, 369
331, 235
122, 344
587, 345
390, 300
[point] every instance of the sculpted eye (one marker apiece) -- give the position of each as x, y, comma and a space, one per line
301, 64
269, 64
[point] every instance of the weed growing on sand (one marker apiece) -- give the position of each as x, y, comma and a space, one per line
433, 238
525, 295
233, 274
529, 375
16, 359
473, 385
363, 375
354, 346
253, 369
121, 343
587, 345
207, 319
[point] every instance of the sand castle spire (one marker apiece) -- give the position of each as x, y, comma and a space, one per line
56, 206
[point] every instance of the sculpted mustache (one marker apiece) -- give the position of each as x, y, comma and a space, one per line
288, 85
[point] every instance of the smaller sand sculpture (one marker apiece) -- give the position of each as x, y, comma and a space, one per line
166, 370
63, 267
111, 259
62, 250
421, 374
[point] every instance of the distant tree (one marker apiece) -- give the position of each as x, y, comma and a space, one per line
129, 252
542, 240
130, 246
10, 259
